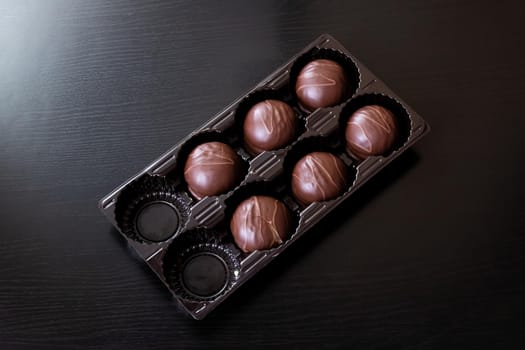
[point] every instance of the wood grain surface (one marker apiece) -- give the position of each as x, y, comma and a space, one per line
428, 255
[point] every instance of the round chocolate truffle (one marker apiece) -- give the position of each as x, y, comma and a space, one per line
321, 83
371, 131
212, 168
260, 222
269, 125
318, 176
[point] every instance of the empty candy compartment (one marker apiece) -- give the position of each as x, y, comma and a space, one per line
200, 265
151, 209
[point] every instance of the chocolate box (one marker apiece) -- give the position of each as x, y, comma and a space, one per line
188, 237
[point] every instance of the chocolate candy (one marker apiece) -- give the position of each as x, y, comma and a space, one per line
371, 131
319, 176
321, 83
260, 222
269, 125
212, 168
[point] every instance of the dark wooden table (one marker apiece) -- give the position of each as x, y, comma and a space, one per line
429, 255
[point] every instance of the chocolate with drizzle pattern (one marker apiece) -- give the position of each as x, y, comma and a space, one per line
212, 168
269, 125
319, 176
260, 222
371, 131
321, 83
